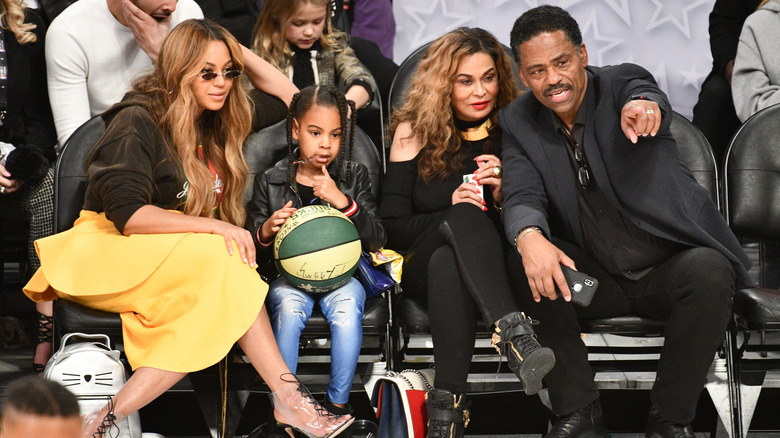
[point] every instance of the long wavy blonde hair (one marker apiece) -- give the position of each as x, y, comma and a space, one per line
12, 18
268, 39
428, 107
222, 133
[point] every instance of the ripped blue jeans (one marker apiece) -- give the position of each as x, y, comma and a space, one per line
343, 308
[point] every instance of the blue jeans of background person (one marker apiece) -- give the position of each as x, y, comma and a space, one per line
343, 308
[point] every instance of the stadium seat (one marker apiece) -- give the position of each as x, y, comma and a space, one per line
752, 208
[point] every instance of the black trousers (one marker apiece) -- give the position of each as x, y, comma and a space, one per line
692, 291
457, 269
714, 114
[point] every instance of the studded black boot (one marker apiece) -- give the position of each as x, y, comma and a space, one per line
448, 414
515, 339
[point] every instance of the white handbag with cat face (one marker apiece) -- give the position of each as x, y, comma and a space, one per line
92, 371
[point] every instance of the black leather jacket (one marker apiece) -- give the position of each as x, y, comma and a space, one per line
270, 192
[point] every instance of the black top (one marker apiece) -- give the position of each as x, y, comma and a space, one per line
726, 22
130, 165
28, 120
610, 237
410, 205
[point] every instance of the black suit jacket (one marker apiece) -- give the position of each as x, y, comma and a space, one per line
29, 120
647, 181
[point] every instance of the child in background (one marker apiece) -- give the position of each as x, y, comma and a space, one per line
318, 121
296, 36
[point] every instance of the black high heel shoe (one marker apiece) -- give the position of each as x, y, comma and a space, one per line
295, 404
45, 334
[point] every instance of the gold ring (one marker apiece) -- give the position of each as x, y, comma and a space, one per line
650, 111
498, 171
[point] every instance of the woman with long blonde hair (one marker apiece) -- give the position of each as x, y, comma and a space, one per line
440, 204
160, 240
27, 129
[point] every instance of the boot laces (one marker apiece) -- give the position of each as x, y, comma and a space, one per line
310, 399
525, 344
108, 424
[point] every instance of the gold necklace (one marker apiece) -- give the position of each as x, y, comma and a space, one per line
478, 134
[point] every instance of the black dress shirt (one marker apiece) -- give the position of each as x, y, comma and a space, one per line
615, 242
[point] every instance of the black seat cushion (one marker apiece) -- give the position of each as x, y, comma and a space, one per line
73, 317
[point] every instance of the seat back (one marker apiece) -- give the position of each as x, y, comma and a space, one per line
752, 177
70, 176
697, 155
399, 89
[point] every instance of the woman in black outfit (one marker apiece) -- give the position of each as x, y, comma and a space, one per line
450, 233
26, 124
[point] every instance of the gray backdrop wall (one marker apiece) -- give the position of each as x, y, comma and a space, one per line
667, 37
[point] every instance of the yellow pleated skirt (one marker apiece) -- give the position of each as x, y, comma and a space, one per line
183, 299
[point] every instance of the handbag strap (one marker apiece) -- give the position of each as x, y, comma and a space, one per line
428, 386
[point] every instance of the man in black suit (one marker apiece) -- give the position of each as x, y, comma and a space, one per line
589, 162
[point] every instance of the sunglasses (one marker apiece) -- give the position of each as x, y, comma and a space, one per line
583, 170
228, 74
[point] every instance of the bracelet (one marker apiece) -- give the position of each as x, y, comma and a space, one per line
497, 206
525, 231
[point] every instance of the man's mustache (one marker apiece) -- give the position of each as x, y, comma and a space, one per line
557, 87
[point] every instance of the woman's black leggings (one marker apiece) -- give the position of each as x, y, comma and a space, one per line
457, 267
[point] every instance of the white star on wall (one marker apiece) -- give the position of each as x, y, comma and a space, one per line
621, 10
692, 77
683, 25
424, 17
605, 43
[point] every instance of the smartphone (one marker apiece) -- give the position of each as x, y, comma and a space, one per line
581, 285
472, 179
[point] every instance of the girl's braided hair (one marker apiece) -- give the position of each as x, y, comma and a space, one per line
326, 96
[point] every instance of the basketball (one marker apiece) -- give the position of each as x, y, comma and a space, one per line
317, 249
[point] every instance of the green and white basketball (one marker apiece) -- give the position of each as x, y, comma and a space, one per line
317, 249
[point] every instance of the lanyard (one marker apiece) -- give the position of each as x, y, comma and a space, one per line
217, 180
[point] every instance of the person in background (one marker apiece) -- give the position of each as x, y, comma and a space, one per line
714, 112
756, 78
296, 36
755, 85
590, 162
35, 407
449, 229
95, 49
26, 123
373, 20
160, 239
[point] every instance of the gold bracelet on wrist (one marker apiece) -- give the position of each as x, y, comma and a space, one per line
525, 231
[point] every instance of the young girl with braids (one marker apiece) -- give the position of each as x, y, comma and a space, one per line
318, 121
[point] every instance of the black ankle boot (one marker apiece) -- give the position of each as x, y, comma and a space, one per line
587, 422
529, 360
448, 414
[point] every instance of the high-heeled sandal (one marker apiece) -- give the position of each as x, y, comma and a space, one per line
295, 401
108, 422
45, 334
